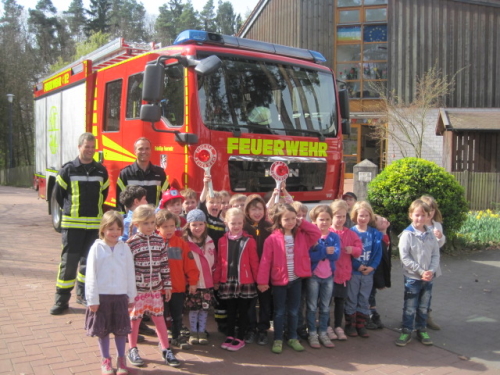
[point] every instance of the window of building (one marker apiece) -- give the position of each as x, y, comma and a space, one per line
361, 46
348, 3
113, 99
134, 96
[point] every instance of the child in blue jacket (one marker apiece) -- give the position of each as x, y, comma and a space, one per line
320, 285
357, 307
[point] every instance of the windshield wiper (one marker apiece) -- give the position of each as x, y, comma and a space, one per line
320, 135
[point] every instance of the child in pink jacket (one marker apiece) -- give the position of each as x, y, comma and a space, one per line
351, 247
284, 262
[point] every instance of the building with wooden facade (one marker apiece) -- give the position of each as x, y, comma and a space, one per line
391, 43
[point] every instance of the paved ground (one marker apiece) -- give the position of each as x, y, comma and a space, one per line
34, 342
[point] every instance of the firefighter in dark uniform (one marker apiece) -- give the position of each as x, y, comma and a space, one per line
152, 178
81, 189
142, 173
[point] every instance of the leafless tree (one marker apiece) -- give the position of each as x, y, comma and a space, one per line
405, 122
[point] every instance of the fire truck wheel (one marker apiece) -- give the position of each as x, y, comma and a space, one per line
56, 212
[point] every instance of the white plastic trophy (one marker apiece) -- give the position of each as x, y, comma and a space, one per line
279, 171
205, 156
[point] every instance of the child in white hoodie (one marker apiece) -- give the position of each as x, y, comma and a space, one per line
110, 290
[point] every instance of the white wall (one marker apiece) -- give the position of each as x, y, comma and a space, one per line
432, 144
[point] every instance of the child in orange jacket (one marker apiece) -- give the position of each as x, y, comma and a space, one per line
183, 270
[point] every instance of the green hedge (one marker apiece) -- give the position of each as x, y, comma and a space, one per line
407, 179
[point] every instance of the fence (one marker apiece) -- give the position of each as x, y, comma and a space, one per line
482, 190
19, 176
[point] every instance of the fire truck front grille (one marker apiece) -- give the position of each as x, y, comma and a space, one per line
251, 175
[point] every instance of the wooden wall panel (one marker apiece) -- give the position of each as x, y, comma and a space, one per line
305, 24
452, 34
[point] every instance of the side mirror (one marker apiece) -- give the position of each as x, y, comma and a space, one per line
152, 89
150, 113
346, 127
208, 65
187, 138
344, 111
344, 104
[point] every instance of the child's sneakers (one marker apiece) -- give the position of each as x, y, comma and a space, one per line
340, 334
325, 340
236, 345
193, 339
250, 337
106, 367
181, 342
277, 347
134, 358
331, 333
423, 337
121, 366
314, 341
295, 345
227, 342
169, 357
375, 318
263, 339
404, 337
202, 338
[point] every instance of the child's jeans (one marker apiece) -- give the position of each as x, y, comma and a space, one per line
358, 293
286, 298
319, 294
418, 294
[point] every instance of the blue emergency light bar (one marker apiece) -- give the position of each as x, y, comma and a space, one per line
204, 37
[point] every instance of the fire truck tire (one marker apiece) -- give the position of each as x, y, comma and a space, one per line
56, 212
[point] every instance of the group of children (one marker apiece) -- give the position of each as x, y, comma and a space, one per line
226, 254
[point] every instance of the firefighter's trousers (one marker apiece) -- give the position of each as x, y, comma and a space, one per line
76, 244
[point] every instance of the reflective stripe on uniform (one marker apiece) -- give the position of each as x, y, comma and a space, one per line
66, 225
144, 182
165, 185
101, 198
220, 314
65, 284
82, 219
120, 184
69, 222
80, 277
87, 178
61, 182
75, 198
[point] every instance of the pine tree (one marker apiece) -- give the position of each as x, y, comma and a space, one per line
167, 23
48, 31
207, 17
75, 17
188, 19
226, 18
99, 17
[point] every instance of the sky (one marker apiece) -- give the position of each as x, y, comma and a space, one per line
240, 6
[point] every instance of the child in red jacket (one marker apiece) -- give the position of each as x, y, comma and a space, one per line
183, 270
284, 262
235, 274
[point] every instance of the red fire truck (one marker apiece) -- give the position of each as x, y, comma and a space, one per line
254, 102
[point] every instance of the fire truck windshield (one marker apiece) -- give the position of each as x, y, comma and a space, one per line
267, 97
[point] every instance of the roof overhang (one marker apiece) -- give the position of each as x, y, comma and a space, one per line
468, 119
